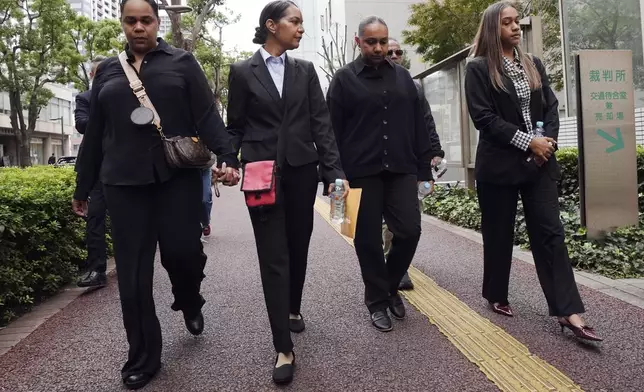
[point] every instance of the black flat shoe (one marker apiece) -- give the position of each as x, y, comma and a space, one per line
397, 307
380, 319
296, 326
93, 279
194, 324
137, 381
283, 374
406, 283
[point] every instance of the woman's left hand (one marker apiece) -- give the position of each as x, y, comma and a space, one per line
347, 188
227, 175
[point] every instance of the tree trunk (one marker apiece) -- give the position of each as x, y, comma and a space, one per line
24, 153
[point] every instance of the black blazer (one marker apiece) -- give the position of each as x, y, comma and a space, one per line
81, 113
497, 116
256, 112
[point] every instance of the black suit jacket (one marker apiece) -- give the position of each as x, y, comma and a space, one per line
81, 113
497, 116
81, 116
256, 112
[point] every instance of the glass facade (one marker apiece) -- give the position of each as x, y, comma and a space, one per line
443, 94
603, 25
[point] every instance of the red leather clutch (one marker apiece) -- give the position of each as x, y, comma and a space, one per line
258, 184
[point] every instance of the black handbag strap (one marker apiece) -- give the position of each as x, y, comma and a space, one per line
137, 88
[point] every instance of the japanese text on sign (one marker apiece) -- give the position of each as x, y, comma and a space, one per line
608, 75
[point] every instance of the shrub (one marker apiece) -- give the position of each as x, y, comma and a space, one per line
41, 240
619, 255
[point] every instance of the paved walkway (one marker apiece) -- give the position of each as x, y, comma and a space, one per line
450, 341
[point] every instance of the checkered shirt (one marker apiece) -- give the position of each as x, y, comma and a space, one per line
515, 71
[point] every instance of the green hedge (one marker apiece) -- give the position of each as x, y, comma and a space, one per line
620, 255
41, 240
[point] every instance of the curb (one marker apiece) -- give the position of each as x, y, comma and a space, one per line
22, 327
628, 290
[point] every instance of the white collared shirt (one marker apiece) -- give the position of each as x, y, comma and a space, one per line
275, 67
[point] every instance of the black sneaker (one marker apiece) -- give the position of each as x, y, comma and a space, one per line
93, 279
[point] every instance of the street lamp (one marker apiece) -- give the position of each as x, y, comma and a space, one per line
177, 9
174, 12
62, 132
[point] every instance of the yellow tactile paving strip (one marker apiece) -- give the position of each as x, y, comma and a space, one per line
503, 359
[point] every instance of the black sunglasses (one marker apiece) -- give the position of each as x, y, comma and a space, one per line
399, 52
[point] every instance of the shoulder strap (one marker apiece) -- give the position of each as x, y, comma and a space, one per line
137, 87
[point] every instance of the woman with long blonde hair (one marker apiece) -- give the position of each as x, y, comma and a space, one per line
516, 113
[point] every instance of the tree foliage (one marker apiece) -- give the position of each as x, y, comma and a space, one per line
208, 50
228, 58
91, 39
35, 49
606, 24
441, 28
189, 28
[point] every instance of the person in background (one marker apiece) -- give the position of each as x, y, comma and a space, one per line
273, 95
96, 207
151, 203
397, 55
206, 199
507, 93
385, 149
52, 159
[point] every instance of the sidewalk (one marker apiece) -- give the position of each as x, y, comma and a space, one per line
82, 347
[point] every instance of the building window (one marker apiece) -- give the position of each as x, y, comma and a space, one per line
54, 109
37, 152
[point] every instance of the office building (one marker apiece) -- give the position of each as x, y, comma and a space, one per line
50, 136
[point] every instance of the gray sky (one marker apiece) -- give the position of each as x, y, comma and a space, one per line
240, 35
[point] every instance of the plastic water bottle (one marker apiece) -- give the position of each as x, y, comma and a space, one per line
337, 203
424, 188
441, 168
539, 132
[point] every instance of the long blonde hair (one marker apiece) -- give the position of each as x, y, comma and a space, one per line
487, 43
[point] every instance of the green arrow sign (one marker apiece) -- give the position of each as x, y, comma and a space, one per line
618, 141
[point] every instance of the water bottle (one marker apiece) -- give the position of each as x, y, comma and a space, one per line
539, 132
337, 203
441, 168
424, 188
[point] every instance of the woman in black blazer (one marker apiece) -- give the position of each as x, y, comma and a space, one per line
507, 93
151, 203
270, 94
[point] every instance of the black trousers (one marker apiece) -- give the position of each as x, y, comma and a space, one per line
95, 230
541, 206
168, 214
393, 196
282, 235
